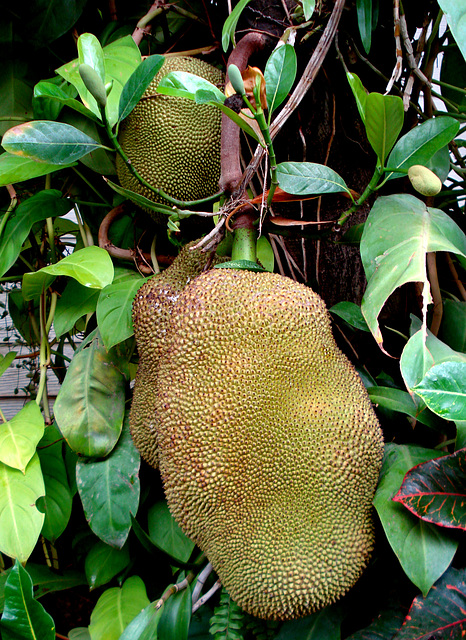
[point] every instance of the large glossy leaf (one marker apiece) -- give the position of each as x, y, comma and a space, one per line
114, 309
384, 120
17, 169
441, 614
103, 563
453, 328
165, 533
308, 178
137, 84
75, 302
398, 233
279, 74
56, 504
20, 520
23, 617
229, 26
43, 21
401, 401
144, 626
350, 313
47, 581
176, 616
325, 623
443, 389
455, 13
436, 491
109, 490
116, 608
20, 435
420, 144
90, 406
43, 205
52, 142
424, 551
92, 267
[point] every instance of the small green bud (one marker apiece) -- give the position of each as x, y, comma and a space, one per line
236, 79
93, 83
424, 180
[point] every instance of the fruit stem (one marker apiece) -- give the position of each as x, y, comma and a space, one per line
244, 238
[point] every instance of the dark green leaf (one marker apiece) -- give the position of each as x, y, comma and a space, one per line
90, 405
384, 120
443, 389
140, 200
137, 84
75, 302
51, 142
15, 91
279, 74
165, 533
23, 617
436, 491
421, 143
364, 10
144, 626
350, 313
109, 490
48, 92
323, 624
43, 205
44, 21
398, 400
453, 328
246, 265
103, 563
17, 169
47, 581
229, 26
308, 178
455, 13
176, 616
453, 73
384, 626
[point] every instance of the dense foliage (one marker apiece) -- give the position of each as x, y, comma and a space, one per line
88, 546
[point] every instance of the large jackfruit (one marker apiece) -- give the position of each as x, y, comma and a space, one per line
172, 142
151, 310
269, 448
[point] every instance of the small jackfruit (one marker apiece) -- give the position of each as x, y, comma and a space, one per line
269, 448
172, 142
151, 310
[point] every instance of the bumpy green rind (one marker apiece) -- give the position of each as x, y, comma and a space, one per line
173, 143
269, 448
151, 312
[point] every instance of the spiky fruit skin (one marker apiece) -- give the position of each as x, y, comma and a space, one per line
172, 142
152, 306
269, 448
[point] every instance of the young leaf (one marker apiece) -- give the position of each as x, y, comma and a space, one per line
90, 405
308, 178
109, 490
421, 143
20, 435
308, 8
20, 521
279, 74
23, 616
435, 491
388, 258
228, 619
103, 563
144, 626
51, 142
229, 26
116, 608
165, 533
185, 85
42, 205
176, 616
75, 302
364, 11
455, 13
350, 313
47, 91
6, 360
90, 53
360, 94
17, 169
423, 550
384, 120
443, 389
137, 84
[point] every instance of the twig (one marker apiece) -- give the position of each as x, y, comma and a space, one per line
206, 596
205, 573
399, 52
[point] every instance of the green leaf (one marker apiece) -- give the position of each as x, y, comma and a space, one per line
90, 52
114, 309
423, 550
229, 26
90, 405
325, 623
20, 435
43, 205
203, 97
47, 91
23, 617
443, 389
453, 327
75, 302
264, 253
279, 74
15, 87
455, 13
140, 200
350, 313
144, 626
51, 142
109, 490
92, 267
246, 265
15, 169
20, 521
401, 401
46, 20
165, 533
384, 120
79, 633
308, 8
398, 233
453, 74
46, 581
421, 143
364, 11
359, 92
103, 563
308, 178
116, 608
176, 616
185, 85
57, 502
6, 360
137, 84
